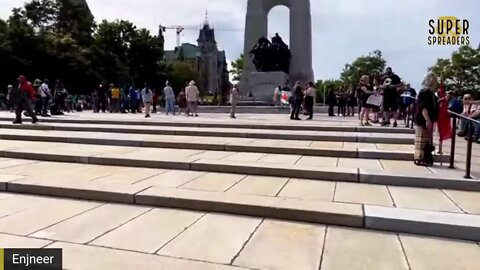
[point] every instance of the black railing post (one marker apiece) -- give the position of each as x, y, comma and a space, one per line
454, 137
469, 150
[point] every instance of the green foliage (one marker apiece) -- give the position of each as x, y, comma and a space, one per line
182, 73
58, 39
237, 68
372, 64
462, 71
322, 88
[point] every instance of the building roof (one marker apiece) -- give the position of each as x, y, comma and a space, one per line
185, 51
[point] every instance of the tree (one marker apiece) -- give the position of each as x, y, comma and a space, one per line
58, 39
323, 86
372, 64
180, 73
237, 68
462, 71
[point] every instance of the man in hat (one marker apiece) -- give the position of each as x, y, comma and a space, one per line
24, 102
192, 94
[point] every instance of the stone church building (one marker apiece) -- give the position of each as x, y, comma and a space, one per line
207, 59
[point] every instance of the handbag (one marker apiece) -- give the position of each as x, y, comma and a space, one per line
375, 100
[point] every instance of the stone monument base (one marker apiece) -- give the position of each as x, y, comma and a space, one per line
263, 84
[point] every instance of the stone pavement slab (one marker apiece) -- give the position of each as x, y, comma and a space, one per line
318, 161
422, 198
81, 257
129, 175
171, 178
425, 253
280, 159
13, 241
150, 231
214, 238
214, 182
283, 246
259, 185
92, 224
467, 201
359, 249
369, 164
309, 190
245, 157
363, 193
34, 219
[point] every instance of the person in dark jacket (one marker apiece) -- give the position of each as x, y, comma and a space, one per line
331, 100
297, 101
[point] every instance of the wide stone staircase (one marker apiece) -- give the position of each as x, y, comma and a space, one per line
328, 172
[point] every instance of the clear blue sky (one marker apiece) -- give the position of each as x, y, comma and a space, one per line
342, 29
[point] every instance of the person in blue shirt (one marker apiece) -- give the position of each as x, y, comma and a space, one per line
454, 103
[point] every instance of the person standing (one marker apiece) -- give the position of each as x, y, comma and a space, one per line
102, 97
425, 117
115, 92
169, 99
9, 98
391, 84
297, 101
182, 102
351, 102
147, 97
233, 100
133, 99
192, 94
310, 99
45, 96
24, 102
38, 98
366, 91
331, 100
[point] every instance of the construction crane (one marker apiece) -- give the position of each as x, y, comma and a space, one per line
180, 28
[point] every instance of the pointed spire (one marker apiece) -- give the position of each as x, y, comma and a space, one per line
206, 19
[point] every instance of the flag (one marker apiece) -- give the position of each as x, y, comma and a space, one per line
444, 123
285, 97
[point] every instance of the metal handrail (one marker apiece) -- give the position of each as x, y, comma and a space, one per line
470, 131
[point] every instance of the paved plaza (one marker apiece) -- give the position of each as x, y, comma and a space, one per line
260, 192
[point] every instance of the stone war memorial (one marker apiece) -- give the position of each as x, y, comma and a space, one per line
269, 64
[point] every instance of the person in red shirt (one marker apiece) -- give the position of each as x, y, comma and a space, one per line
24, 102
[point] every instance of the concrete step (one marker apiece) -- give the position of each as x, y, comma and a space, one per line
180, 121
401, 173
333, 136
110, 236
306, 148
424, 222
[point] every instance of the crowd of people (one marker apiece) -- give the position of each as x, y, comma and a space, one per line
385, 97
39, 99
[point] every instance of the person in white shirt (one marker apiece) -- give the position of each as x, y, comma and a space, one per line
310, 99
233, 101
192, 94
9, 102
45, 95
169, 99
147, 97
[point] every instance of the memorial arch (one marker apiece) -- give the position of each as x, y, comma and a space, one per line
256, 26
